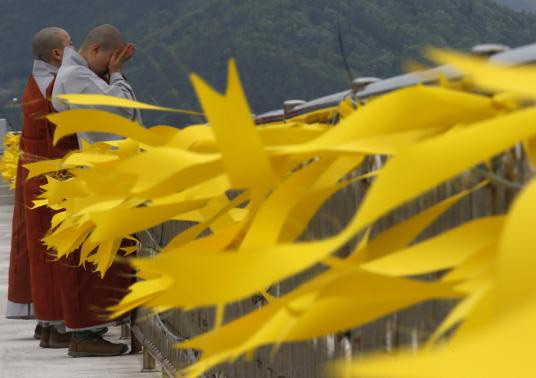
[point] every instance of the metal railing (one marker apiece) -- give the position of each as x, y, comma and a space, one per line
157, 335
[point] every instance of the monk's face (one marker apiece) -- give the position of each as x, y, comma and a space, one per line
101, 59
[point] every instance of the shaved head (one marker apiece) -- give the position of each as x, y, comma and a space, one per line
101, 45
107, 36
48, 39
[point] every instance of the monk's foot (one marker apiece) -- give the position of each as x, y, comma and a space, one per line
102, 331
37, 331
90, 344
58, 339
44, 340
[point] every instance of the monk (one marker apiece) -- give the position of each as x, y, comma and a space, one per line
94, 69
34, 290
102, 55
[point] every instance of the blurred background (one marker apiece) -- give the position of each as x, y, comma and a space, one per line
284, 48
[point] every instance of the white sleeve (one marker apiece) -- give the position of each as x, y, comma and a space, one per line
86, 82
118, 87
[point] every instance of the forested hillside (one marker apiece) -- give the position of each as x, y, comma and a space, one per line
284, 48
520, 5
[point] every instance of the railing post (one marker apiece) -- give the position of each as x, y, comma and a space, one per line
489, 49
149, 363
125, 332
135, 345
361, 83
290, 105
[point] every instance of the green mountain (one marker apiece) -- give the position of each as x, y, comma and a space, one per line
284, 48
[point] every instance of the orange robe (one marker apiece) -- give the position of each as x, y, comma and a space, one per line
61, 290
19, 295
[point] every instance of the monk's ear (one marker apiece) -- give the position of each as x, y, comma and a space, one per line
95, 48
57, 54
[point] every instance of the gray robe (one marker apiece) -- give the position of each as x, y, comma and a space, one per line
75, 77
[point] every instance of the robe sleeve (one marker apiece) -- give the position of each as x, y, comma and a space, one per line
118, 87
85, 82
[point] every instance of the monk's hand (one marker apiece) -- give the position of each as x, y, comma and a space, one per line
119, 58
130, 49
